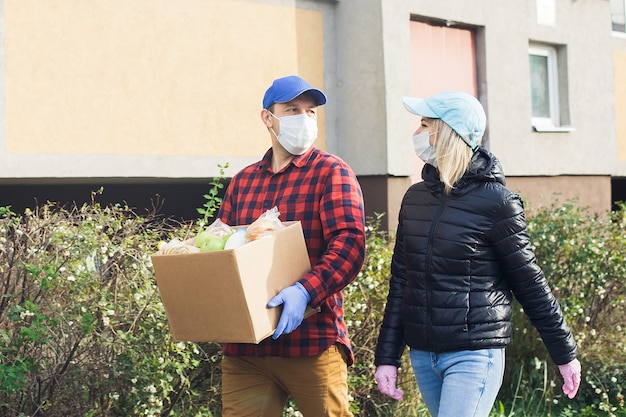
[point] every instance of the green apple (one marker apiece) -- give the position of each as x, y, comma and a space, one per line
207, 242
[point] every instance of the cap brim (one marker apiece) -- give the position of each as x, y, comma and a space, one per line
419, 107
318, 96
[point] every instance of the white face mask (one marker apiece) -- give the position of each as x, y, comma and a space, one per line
297, 133
423, 148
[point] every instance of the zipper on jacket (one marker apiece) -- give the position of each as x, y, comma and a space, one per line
428, 276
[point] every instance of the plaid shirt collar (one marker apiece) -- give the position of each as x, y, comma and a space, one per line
298, 160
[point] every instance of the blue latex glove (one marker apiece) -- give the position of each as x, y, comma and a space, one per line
294, 300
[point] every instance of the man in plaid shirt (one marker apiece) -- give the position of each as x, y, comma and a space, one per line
306, 359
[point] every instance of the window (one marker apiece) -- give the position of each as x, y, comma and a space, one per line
546, 84
618, 15
543, 82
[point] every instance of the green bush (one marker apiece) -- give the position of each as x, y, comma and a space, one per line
583, 257
83, 331
82, 328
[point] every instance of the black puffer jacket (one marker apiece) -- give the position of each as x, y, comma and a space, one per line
458, 260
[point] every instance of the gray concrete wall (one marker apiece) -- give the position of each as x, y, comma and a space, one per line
581, 27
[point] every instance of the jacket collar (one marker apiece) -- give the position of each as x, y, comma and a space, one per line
483, 167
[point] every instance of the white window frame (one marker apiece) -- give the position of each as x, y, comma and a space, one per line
618, 16
553, 120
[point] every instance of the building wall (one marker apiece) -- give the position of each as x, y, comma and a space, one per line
538, 164
591, 191
619, 57
583, 29
146, 88
130, 91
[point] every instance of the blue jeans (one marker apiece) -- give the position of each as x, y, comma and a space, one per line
459, 384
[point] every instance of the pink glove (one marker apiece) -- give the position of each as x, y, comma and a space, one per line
386, 379
571, 376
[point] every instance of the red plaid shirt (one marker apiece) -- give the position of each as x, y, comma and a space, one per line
321, 191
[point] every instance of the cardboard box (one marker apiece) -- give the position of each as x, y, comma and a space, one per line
222, 296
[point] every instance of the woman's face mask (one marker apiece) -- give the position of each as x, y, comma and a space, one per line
297, 133
424, 149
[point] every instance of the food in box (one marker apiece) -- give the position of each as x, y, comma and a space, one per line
221, 296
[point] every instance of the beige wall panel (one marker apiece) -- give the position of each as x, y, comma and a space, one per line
442, 59
594, 192
150, 77
591, 191
620, 103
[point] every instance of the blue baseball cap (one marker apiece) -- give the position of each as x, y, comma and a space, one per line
287, 88
461, 111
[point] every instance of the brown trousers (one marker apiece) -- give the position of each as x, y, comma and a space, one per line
259, 386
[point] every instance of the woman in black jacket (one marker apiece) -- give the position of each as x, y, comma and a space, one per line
462, 252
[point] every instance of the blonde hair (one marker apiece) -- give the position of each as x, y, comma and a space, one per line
453, 154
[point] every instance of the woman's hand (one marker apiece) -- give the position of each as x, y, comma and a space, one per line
571, 376
386, 379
